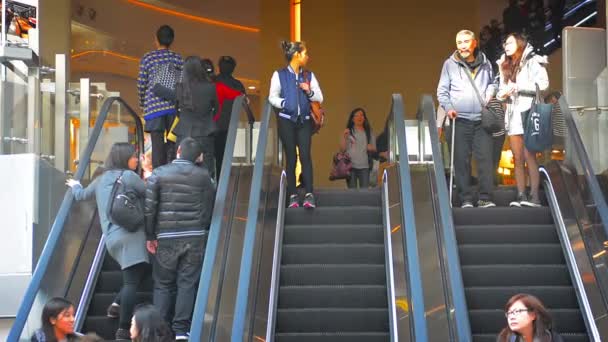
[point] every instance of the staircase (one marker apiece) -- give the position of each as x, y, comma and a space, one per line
504, 251
333, 278
108, 285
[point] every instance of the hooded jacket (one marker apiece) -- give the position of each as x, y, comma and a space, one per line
455, 91
532, 71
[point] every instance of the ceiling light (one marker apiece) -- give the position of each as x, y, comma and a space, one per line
251, 87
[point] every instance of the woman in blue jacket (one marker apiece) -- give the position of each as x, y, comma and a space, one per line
127, 248
292, 89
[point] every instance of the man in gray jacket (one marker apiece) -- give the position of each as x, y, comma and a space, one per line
457, 96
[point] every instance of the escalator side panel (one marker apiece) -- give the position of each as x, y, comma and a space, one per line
587, 267
435, 298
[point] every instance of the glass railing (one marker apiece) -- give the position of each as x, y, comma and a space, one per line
215, 298
65, 248
458, 316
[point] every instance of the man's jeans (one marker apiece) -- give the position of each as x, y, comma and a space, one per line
176, 273
472, 138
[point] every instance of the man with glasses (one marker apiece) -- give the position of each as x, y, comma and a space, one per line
465, 73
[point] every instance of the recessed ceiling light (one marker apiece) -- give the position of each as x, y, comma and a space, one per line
251, 87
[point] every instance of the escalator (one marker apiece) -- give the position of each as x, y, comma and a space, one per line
73, 263
483, 256
344, 271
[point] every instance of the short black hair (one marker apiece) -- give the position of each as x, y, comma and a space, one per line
227, 65
165, 35
190, 149
119, 156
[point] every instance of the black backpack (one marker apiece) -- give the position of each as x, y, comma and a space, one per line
125, 206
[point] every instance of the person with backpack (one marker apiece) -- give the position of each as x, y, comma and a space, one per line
359, 142
292, 89
521, 71
178, 209
126, 245
161, 66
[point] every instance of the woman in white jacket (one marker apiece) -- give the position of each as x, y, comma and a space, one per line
520, 71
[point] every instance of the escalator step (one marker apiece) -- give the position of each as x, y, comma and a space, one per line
492, 321
566, 337
334, 215
324, 274
348, 198
111, 281
515, 275
502, 215
333, 337
562, 297
506, 234
101, 301
101, 325
333, 234
350, 296
333, 254
484, 254
332, 320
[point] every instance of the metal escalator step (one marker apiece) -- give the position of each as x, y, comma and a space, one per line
333, 337
500, 234
556, 297
333, 254
334, 215
515, 275
101, 301
492, 321
332, 320
111, 281
344, 296
502, 215
325, 274
101, 325
485, 254
347, 198
333, 234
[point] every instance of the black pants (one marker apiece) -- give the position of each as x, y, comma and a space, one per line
292, 135
207, 143
220, 145
471, 138
360, 176
131, 279
162, 152
176, 274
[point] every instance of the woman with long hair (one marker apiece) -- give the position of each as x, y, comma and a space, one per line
292, 89
358, 141
521, 70
527, 321
147, 325
126, 247
57, 322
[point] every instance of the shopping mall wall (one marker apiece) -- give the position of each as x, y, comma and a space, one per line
362, 54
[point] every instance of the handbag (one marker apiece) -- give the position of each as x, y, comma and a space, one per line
317, 113
538, 130
342, 165
167, 75
490, 120
125, 206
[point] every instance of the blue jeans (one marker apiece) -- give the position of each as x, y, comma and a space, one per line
360, 176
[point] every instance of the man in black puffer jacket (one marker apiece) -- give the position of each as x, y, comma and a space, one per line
179, 203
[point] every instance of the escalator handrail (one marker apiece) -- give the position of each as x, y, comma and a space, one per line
409, 223
240, 307
64, 211
579, 148
461, 315
215, 228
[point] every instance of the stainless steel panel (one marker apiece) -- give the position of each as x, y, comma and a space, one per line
33, 111
61, 115
85, 115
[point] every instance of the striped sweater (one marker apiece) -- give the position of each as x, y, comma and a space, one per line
153, 106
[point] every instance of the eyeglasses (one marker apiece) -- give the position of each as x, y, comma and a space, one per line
516, 312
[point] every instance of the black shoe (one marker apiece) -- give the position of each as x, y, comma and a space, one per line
113, 311
294, 202
123, 334
467, 204
485, 204
309, 201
